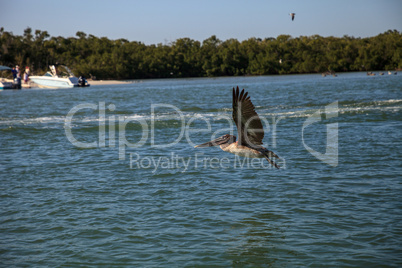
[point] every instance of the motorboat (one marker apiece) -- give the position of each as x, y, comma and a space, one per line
59, 77
6, 84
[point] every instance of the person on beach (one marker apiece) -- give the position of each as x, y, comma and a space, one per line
26, 75
18, 74
17, 69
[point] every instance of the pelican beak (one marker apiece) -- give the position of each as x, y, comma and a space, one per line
215, 142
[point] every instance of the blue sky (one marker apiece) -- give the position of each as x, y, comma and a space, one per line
164, 21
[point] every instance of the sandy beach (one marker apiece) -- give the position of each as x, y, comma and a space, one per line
31, 84
108, 82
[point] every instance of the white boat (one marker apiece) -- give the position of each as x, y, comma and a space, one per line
4, 84
55, 79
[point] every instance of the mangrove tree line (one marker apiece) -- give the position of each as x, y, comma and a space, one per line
103, 58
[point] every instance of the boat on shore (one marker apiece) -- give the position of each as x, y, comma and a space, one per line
6, 83
62, 78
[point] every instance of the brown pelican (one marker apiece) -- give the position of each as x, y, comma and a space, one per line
293, 15
249, 130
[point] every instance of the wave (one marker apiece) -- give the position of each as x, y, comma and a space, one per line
40, 122
392, 105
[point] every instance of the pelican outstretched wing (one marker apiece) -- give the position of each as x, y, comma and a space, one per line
249, 127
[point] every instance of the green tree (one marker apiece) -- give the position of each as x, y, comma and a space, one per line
89, 55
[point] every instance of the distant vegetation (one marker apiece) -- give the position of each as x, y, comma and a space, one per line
120, 59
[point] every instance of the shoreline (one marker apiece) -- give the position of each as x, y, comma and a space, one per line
31, 84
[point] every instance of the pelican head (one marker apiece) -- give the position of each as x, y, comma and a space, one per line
225, 139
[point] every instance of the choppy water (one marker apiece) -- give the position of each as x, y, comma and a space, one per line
112, 204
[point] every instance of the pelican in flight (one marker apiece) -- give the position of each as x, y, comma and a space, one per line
293, 15
249, 129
